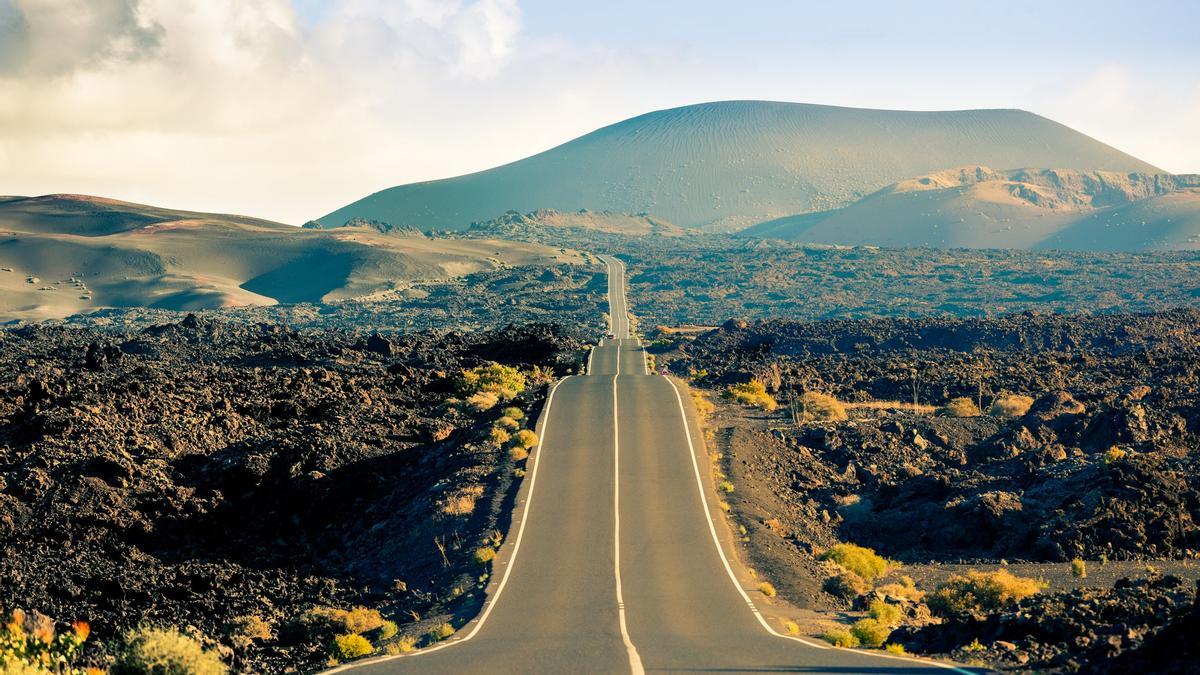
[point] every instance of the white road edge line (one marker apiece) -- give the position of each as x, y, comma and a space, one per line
712, 529
635, 660
512, 560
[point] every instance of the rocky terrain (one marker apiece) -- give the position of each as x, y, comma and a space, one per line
709, 279
217, 476
936, 458
563, 294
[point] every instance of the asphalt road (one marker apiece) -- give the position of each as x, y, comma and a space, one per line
615, 565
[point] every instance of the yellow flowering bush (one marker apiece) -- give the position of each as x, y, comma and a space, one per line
31, 641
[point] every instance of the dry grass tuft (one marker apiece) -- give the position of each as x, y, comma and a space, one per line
752, 393
959, 407
1011, 405
977, 593
858, 559
817, 407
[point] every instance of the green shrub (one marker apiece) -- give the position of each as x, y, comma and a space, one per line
752, 393
1114, 454
817, 407
351, 646
388, 630
503, 381
858, 559
165, 651
404, 645
1079, 568
895, 648
791, 627
767, 589
885, 613
498, 437
507, 423
840, 637
485, 554
518, 454
513, 412
441, 632
978, 593
725, 486
356, 620
959, 407
905, 589
870, 632
525, 439
846, 585
1011, 405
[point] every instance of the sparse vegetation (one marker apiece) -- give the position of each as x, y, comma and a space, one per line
485, 554
498, 437
512, 412
870, 632
503, 381
165, 651
977, 593
840, 637
462, 503
441, 632
725, 486
752, 393
704, 407
895, 648
959, 407
857, 559
791, 627
1114, 454
905, 589
1079, 568
388, 630
245, 629
846, 585
814, 406
885, 613
1011, 405
483, 400
404, 645
507, 423
29, 644
351, 646
767, 589
525, 439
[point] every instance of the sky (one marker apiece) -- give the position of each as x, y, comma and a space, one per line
289, 109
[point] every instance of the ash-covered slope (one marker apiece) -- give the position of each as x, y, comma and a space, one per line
978, 207
732, 164
65, 254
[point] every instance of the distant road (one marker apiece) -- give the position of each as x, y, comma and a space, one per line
614, 564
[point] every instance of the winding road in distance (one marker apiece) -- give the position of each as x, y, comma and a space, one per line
614, 564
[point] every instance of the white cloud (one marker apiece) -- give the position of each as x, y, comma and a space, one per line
230, 104
235, 105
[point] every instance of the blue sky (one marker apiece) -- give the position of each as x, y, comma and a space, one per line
290, 108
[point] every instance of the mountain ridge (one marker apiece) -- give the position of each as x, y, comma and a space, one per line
730, 164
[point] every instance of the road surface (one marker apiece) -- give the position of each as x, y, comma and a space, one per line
614, 565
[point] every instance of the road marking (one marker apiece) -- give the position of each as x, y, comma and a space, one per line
512, 560
635, 661
712, 529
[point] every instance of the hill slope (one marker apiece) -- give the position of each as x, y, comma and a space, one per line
732, 164
63, 254
977, 207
